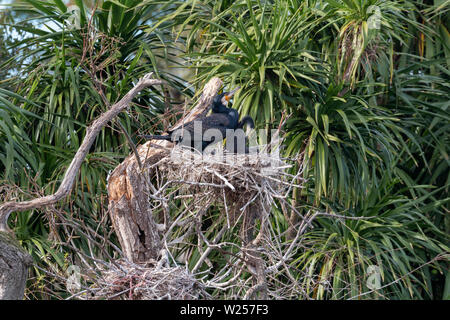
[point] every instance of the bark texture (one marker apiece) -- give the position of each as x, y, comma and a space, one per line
14, 263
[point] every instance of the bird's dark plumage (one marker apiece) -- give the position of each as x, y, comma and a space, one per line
221, 119
247, 120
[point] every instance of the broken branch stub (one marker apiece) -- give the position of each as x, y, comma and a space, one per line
129, 206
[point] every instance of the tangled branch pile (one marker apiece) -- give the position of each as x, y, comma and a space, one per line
235, 180
216, 193
200, 202
136, 282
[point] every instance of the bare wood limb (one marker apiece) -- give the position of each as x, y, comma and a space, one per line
128, 190
69, 177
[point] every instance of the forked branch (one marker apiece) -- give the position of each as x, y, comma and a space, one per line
71, 173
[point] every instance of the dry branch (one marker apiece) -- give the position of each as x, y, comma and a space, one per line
71, 173
246, 185
128, 190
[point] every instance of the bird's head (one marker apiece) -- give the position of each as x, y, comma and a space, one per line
221, 100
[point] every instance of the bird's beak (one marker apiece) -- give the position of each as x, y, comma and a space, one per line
230, 94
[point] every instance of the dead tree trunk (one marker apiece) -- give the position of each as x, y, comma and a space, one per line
14, 263
129, 206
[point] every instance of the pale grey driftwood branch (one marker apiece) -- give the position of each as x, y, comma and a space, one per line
71, 173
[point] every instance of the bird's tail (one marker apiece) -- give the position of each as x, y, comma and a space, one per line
156, 137
246, 120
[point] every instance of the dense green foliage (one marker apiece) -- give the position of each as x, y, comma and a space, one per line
364, 85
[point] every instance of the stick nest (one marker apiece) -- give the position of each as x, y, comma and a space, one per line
238, 179
126, 280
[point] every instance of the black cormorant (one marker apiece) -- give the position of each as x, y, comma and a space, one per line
247, 120
221, 119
